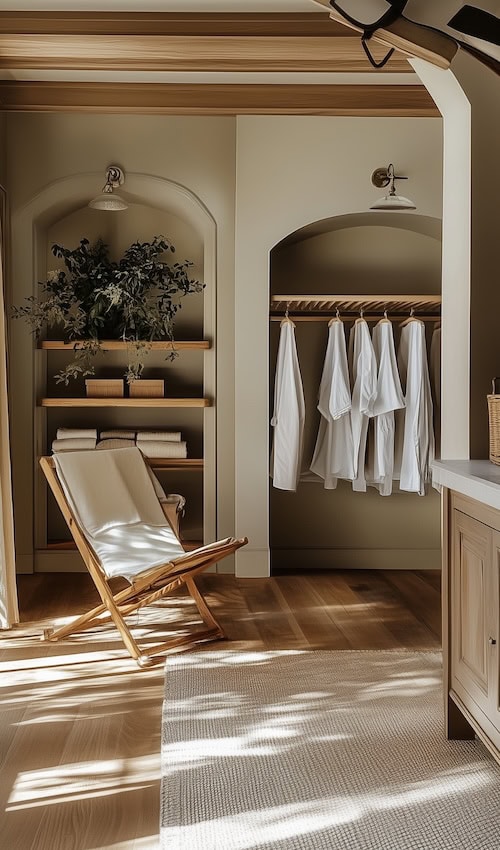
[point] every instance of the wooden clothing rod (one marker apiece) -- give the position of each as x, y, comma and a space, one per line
400, 317
317, 305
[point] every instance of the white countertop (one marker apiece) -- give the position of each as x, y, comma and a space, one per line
478, 479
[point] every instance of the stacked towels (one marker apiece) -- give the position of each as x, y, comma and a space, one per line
117, 438
119, 443
72, 439
164, 444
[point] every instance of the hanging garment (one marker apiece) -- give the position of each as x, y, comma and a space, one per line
416, 434
364, 377
289, 413
435, 376
333, 456
389, 398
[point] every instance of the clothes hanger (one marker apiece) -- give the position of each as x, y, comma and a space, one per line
411, 318
384, 319
335, 318
286, 319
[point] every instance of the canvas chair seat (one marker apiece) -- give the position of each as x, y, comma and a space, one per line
123, 525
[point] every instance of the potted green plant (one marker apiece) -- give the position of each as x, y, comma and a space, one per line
134, 299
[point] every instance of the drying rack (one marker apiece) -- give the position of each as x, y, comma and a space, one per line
322, 308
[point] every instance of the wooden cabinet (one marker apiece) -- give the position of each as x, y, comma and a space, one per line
471, 623
472, 659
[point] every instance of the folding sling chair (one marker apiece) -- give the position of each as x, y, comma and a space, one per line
124, 525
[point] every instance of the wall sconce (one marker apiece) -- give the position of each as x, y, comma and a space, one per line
383, 177
109, 199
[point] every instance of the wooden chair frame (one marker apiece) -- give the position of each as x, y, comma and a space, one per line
149, 586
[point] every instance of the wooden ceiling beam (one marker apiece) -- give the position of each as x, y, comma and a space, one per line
170, 23
187, 53
252, 42
233, 99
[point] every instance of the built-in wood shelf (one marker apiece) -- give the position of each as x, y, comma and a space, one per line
70, 546
175, 463
125, 402
119, 345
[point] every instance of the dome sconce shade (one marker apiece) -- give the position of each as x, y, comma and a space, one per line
383, 177
109, 199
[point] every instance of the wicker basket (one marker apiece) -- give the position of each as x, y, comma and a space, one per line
104, 387
494, 420
147, 388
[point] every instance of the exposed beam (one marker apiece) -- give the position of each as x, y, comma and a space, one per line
182, 42
186, 53
234, 99
170, 23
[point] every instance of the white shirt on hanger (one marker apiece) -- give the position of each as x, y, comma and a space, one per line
289, 412
416, 436
364, 377
389, 398
333, 453
435, 376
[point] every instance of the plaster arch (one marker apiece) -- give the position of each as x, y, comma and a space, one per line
29, 225
424, 224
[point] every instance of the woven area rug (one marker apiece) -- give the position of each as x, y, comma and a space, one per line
319, 751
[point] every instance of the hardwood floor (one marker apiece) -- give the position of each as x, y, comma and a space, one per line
80, 722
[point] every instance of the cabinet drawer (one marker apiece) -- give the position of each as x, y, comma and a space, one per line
470, 606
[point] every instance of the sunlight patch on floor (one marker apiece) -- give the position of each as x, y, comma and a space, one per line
147, 842
70, 782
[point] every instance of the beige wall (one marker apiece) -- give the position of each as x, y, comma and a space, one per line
261, 178
292, 171
482, 88
197, 153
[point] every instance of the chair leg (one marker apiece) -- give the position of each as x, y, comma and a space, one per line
75, 625
205, 612
124, 630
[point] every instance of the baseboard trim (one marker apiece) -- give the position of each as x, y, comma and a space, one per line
24, 564
255, 563
355, 559
47, 561
252, 563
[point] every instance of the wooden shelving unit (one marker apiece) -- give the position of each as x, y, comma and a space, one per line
118, 345
51, 549
125, 402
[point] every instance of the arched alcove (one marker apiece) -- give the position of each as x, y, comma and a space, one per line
366, 253
59, 206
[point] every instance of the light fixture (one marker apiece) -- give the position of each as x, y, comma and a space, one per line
383, 177
109, 199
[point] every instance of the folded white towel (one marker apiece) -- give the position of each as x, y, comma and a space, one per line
76, 433
74, 444
115, 444
163, 448
117, 434
154, 436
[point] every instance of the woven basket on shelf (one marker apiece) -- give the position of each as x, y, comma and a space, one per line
494, 420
